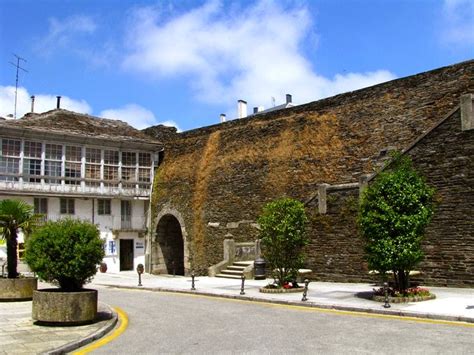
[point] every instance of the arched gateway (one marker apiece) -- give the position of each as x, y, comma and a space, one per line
169, 251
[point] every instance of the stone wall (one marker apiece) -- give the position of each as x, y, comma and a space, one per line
219, 177
445, 158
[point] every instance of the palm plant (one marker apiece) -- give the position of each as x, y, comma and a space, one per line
15, 215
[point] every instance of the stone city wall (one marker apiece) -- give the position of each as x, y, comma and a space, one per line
219, 177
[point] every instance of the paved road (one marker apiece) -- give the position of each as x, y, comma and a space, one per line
167, 323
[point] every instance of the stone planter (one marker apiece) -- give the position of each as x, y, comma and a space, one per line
404, 299
54, 306
281, 290
19, 289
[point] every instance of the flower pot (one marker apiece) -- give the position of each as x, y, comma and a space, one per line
281, 290
103, 267
54, 306
19, 289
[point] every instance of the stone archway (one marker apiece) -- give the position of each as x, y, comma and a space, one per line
171, 244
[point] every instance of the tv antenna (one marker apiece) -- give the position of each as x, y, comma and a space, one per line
18, 67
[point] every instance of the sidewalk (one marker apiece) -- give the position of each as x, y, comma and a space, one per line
453, 304
18, 334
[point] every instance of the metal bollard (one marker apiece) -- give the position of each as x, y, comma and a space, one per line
242, 287
140, 270
192, 281
305, 291
385, 289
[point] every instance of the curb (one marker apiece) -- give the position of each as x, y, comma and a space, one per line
309, 304
76, 344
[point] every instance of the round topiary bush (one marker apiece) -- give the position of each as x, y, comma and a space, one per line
65, 253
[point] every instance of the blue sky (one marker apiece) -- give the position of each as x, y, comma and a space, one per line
184, 62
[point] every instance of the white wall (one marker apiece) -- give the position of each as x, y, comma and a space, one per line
106, 223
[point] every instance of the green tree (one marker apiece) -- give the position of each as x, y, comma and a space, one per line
65, 252
393, 214
15, 215
282, 230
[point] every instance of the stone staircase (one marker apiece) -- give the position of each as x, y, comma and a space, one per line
235, 270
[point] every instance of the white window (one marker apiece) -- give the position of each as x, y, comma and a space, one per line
104, 207
67, 206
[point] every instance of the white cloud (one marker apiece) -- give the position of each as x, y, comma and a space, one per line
64, 33
458, 22
252, 53
135, 115
42, 102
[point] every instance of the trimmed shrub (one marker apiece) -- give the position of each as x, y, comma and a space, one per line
65, 253
282, 230
394, 211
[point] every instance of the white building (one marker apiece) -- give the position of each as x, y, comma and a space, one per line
67, 164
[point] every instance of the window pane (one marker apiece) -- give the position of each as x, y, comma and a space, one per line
93, 155
128, 174
144, 175
66, 205
104, 207
52, 168
32, 149
11, 147
41, 205
92, 173
73, 153
54, 151
9, 165
144, 159
32, 167
73, 172
110, 173
111, 157
129, 158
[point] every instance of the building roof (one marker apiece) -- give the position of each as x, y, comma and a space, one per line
78, 127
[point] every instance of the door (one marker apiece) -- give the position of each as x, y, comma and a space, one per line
126, 254
126, 213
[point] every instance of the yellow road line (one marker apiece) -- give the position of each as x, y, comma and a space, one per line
123, 319
325, 310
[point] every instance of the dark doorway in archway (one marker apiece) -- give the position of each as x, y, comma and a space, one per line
171, 244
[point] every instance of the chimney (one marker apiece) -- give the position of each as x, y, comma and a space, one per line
242, 109
288, 98
222, 117
58, 102
33, 103
255, 110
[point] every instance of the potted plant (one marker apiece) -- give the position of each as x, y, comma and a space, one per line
65, 253
15, 216
282, 231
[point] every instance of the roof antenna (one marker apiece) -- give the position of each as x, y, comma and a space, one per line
17, 65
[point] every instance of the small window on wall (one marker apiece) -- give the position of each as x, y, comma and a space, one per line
67, 206
104, 207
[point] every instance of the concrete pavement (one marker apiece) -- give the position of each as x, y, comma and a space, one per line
18, 334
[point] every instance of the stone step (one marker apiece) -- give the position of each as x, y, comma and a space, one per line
243, 263
235, 267
226, 276
231, 272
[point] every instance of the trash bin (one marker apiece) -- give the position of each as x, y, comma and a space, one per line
259, 266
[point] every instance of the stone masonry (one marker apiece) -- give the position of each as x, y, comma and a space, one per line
219, 177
